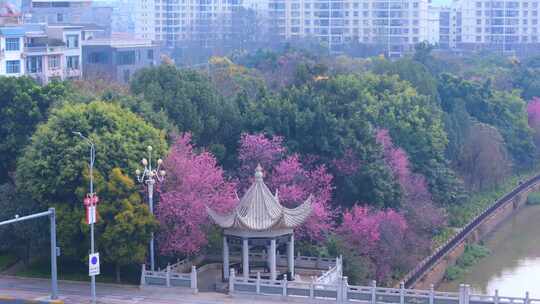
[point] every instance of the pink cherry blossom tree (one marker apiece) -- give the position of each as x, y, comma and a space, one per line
193, 182
417, 201
379, 235
293, 180
533, 111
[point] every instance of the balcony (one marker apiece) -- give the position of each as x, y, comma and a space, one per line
72, 73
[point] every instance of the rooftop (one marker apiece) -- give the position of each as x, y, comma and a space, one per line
260, 210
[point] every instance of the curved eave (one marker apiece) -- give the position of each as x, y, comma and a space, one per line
224, 221
297, 216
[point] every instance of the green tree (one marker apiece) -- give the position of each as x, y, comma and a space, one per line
23, 239
327, 117
53, 169
23, 104
192, 104
125, 224
504, 110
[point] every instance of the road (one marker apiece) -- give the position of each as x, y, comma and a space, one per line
79, 293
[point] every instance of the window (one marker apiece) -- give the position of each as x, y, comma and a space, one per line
126, 75
12, 44
13, 66
59, 17
33, 64
97, 57
72, 41
150, 54
126, 58
54, 62
72, 62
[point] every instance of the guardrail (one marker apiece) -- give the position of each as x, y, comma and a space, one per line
333, 274
169, 278
428, 263
342, 292
300, 261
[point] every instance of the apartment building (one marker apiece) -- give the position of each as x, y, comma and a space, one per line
81, 12
42, 52
498, 25
395, 25
203, 22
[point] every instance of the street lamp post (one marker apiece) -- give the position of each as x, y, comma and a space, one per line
91, 194
150, 176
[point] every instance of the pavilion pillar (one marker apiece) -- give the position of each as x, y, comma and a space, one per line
273, 259
226, 267
245, 258
290, 256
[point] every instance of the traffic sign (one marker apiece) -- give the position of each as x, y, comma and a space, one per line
93, 264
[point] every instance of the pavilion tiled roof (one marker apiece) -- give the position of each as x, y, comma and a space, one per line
260, 210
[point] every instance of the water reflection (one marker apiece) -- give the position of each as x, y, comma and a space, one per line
514, 264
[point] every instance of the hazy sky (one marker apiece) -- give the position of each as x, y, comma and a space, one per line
438, 2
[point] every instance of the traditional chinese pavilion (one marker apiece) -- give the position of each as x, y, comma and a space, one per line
258, 219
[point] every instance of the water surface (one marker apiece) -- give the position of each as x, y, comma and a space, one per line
514, 264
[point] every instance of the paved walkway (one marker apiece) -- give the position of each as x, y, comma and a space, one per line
79, 293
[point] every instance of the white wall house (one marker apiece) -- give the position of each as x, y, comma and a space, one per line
12, 51
44, 53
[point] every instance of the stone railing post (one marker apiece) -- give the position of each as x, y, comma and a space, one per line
431, 294
339, 291
232, 278
461, 294
467, 294
496, 297
194, 280
526, 300
143, 277
258, 283
345, 286
402, 293
284, 285
373, 292
311, 289
168, 276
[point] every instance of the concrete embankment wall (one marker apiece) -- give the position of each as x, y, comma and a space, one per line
432, 269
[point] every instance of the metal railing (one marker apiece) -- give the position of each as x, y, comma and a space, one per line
426, 264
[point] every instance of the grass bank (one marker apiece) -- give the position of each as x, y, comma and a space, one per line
472, 255
460, 215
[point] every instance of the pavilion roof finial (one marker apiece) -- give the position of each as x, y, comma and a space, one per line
259, 173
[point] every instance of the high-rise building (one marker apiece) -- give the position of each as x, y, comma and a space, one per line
394, 25
80, 12
499, 25
200, 21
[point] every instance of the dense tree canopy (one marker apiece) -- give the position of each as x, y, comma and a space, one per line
53, 169
387, 148
192, 104
23, 105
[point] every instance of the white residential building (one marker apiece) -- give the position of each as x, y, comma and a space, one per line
501, 25
172, 21
395, 25
42, 52
12, 51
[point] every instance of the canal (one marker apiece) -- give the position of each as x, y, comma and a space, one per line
513, 266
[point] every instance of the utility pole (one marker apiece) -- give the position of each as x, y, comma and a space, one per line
149, 177
91, 202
